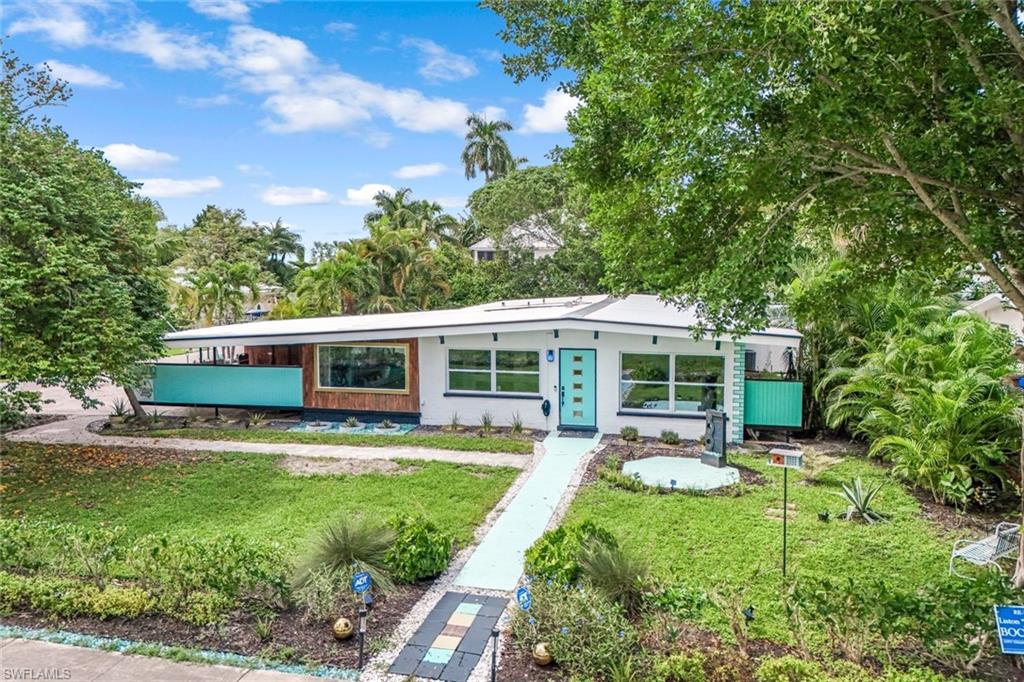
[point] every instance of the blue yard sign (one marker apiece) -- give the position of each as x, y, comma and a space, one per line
1010, 627
361, 582
524, 598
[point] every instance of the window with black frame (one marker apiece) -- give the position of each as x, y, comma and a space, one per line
493, 371
669, 382
363, 368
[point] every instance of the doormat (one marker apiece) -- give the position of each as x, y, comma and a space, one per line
451, 641
576, 434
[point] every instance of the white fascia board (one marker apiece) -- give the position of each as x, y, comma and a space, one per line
569, 323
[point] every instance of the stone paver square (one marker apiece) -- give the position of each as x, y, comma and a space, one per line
446, 642
428, 632
461, 619
408, 660
467, 607
460, 667
455, 630
436, 655
431, 670
475, 641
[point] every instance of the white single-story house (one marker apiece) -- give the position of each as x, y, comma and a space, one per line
595, 363
997, 309
533, 235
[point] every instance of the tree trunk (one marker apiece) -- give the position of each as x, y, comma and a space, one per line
134, 400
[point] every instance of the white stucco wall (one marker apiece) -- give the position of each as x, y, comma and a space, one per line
437, 409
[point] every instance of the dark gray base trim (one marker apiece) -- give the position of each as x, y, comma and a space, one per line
659, 415
328, 415
502, 396
573, 427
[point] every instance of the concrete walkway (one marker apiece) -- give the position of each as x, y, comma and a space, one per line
26, 659
498, 562
73, 431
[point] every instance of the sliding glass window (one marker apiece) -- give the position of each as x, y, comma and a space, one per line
669, 382
494, 371
364, 368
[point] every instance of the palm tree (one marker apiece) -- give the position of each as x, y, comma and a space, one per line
336, 286
222, 290
394, 207
486, 150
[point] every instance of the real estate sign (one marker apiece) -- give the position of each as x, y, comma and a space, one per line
1010, 628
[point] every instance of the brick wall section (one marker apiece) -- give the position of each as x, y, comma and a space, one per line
739, 361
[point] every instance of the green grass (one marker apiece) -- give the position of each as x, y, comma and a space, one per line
248, 494
437, 441
712, 541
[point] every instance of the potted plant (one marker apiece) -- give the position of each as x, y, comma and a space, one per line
317, 425
386, 426
350, 425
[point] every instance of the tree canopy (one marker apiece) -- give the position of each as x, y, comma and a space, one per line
82, 293
717, 141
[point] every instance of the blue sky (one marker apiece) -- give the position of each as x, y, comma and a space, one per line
296, 110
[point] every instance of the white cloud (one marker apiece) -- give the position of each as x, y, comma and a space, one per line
492, 113
166, 49
550, 116
419, 170
450, 202
278, 195
439, 64
82, 75
298, 113
346, 30
134, 157
363, 196
60, 23
257, 52
231, 10
251, 169
205, 102
168, 188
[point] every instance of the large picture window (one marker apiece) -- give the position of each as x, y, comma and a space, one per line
363, 368
668, 382
494, 371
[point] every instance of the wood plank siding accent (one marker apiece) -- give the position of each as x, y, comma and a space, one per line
275, 355
312, 398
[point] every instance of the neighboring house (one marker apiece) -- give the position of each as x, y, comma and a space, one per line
533, 234
998, 310
585, 363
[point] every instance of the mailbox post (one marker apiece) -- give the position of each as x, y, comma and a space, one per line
714, 439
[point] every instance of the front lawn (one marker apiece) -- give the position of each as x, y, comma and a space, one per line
714, 542
437, 441
206, 493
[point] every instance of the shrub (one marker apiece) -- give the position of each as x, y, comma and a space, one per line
116, 602
614, 572
201, 608
486, 422
629, 433
26, 545
321, 592
15, 405
611, 474
669, 437
67, 597
587, 635
555, 556
789, 669
350, 545
420, 550
175, 567
679, 600
680, 668
517, 423
94, 550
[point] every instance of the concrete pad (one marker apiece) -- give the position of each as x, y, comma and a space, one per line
498, 562
681, 473
276, 676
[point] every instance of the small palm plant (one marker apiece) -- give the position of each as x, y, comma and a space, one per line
257, 419
345, 547
859, 499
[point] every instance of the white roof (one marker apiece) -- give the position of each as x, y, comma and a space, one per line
993, 301
637, 313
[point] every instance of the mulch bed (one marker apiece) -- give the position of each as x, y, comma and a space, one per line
292, 638
31, 421
470, 430
90, 458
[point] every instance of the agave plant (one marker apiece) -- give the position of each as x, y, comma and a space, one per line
859, 500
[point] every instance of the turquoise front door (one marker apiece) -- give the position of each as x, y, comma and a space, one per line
577, 388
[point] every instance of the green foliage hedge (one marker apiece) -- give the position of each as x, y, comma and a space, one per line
196, 579
555, 555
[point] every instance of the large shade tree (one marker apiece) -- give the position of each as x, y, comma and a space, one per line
81, 288
716, 138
